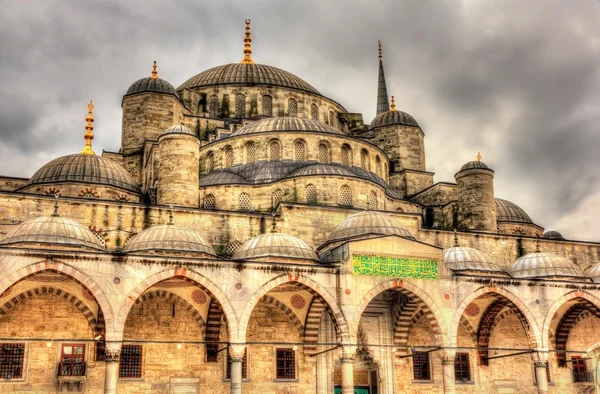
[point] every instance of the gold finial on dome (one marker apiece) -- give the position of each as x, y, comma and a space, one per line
154, 71
393, 106
380, 50
89, 136
247, 48
478, 156
55, 213
456, 238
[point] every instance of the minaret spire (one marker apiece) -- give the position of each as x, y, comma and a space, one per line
154, 74
383, 104
89, 136
247, 48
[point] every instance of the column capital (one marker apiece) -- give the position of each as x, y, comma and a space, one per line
348, 353
236, 350
447, 355
112, 353
540, 357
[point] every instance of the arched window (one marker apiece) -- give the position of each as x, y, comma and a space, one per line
346, 155
210, 162
210, 202
250, 149
385, 171
244, 202
299, 150
378, 166
324, 155
213, 106
314, 112
274, 151
233, 247
311, 194
372, 200
331, 118
267, 105
240, 105
228, 156
277, 197
292, 107
364, 159
345, 196
399, 209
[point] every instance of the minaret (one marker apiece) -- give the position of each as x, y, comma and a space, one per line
383, 104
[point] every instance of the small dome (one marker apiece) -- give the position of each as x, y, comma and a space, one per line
323, 169
168, 238
393, 117
84, 168
507, 211
221, 177
461, 258
152, 85
593, 271
553, 235
275, 245
543, 265
178, 129
286, 124
368, 223
475, 164
53, 230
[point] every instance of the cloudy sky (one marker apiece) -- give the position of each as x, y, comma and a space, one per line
517, 80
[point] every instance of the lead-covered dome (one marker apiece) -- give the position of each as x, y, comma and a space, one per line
507, 211
84, 168
593, 272
367, 223
551, 234
475, 164
178, 129
168, 238
543, 265
152, 84
286, 124
393, 117
275, 245
462, 258
323, 169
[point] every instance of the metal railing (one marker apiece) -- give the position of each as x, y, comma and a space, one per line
66, 368
581, 377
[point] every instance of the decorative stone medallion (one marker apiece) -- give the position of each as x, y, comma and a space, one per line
199, 297
298, 301
472, 310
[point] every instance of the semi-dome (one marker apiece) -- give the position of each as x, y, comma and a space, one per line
152, 84
393, 117
462, 258
543, 265
275, 245
507, 211
168, 238
368, 223
553, 235
286, 124
84, 168
593, 271
323, 169
178, 129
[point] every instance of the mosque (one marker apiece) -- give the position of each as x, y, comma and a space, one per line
253, 236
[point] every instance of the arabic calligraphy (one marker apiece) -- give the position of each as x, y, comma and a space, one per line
394, 266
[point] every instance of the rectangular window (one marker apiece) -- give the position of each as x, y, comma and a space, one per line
12, 356
244, 365
579, 370
130, 365
286, 363
72, 360
421, 368
462, 368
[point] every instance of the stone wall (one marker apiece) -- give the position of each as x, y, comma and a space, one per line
476, 203
178, 180
84, 190
10, 184
404, 145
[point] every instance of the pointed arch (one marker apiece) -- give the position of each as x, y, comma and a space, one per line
286, 310
312, 325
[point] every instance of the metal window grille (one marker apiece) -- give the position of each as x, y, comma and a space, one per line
130, 364
250, 152
210, 202
240, 105
580, 373
462, 368
372, 200
300, 151
331, 118
286, 363
244, 365
277, 197
88, 195
244, 202
267, 105
346, 155
324, 154
378, 166
345, 196
228, 157
364, 159
210, 162
274, 151
100, 237
292, 107
213, 106
311, 194
233, 247
421, 369
314, 112
12, 356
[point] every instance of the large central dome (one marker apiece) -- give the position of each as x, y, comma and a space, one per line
247, 74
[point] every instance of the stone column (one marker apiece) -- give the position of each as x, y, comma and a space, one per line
236, 353
594, 352
347, 360
447, 355
112, 358
540, 362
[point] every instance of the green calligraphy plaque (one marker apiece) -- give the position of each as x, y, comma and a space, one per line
400, 267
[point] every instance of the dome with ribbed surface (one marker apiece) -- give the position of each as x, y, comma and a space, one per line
247, 74
593, 271
507, 211
168, 238
275, 245
475, 164
286, 124
323, 169
85, 169
178, 129
553, 235
52, 230
152, 85
393, 117
368, 223
543, 265
462, 258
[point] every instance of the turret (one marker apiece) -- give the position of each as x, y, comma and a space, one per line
475, 190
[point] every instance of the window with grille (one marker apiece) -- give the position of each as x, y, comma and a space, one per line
346, 155
228, 157
331, 118
300, 151
233, 247
311, 194
12, 357
267, 105
244, 365
210, 202
364, 159
100, 237
324, 156
240, 105
372, 200
421, 368
292, 107
130, 364
314, 112
244, 202
345, 195
580, 373
462, 368
277, 197
274, 151
250, 152
285, 363
378, 166
213, 106
210, 162
72, 360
